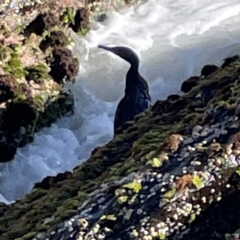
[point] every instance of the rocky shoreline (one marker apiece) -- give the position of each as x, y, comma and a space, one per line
172, 173
35, 63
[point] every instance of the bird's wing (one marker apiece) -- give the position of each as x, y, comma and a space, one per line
144, 88
125, 112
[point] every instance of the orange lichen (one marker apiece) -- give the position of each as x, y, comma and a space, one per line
184, 182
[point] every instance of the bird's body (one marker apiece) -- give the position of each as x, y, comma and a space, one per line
137, 97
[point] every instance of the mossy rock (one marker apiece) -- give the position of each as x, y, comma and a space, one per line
63, 65
14, 66
35, 65
37, 73
184, 179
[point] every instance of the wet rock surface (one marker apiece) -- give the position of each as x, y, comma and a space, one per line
36, 62
172, 173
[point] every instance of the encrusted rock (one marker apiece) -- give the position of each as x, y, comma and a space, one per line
81, 21
35, 64
208, 69
63, 65
162, 182
7, 88
190, 83
229, 60
42, 22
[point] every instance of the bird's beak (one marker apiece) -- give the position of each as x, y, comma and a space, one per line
104, 47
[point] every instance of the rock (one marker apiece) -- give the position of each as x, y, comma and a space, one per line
56, 39
49, 181
208, 69
153, 163
7, 88
229, 60
173, 97
42, 22
189, 84
81, 21
63, 66
7, 149
17, 115
35, 65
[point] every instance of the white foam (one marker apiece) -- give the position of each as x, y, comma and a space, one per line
174, 39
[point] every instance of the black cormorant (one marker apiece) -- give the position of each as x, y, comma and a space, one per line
137, 97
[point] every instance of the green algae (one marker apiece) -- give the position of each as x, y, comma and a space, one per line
192, 217
135, 186
20, 98
238, 171
122, 168
197, 182
14, 65
162, 236
69, 16
37, 73
155, 162
83, 32
169, 193
151, 154
28, 236
122, 199
4, 51
39, 102
82, 194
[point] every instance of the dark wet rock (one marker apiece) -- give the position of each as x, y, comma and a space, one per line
17, 115
7, 148
190, 83
20, 120
173, 97
59, 107
63, 65
218, 220
81, 21
7, 85
49, 181
229, 60
208, 69
56, 39
101, 17
42, 22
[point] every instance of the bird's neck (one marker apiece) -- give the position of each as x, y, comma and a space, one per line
131, 79
133, 67
134, 62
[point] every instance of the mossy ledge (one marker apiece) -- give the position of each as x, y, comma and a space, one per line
35, 63
172, 173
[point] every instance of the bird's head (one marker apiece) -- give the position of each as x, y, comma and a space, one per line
123, 52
